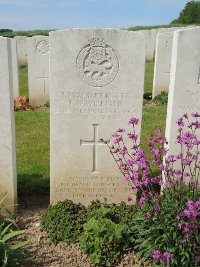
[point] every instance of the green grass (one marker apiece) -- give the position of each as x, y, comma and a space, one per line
23, 80
148, 82
32, 138
32, 148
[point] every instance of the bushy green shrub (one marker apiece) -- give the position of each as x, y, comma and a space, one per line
11, 254
102, 228
64, 221
190, 14
161, 99
104, 240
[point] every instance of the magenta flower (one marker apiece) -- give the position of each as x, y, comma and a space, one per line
157, 207
156, 255
133, 121
158, 131
120, 130
166, 256
130, 198
133, 136
149, 215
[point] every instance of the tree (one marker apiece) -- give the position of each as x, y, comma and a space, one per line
190, 14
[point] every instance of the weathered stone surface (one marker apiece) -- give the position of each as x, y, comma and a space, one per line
184, 89
22, 49
162, 63
96, 85
15, 72
8, 178
38, 70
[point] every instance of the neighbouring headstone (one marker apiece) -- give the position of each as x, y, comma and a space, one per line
22, 50
162, 63
184, 89
38, 70
8, 177
15, 72
96, 85
151, 44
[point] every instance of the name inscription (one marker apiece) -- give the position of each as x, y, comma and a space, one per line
93, 105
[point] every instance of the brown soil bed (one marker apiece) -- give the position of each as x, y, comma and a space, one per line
46, 253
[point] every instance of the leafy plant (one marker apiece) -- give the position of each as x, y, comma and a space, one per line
166, 227
11, 254
103, 240
64, 221
161, 99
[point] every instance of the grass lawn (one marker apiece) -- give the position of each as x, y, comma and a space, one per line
32, 138
148, 82
23, 80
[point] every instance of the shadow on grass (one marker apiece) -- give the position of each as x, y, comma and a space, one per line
33, 190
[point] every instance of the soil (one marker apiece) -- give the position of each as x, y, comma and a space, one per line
46, 254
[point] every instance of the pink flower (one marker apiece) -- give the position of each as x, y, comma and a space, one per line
120, 130
149, 215
158, 131
133, 121
156, 255
157, 207
130, 198
132, 136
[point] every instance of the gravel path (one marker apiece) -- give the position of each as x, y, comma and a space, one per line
45, 253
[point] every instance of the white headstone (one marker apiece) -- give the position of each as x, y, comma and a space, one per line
8, 177
15, 72
96, 85
184, 89
162, 63
22, 49
38, 70
151, 44
151, 36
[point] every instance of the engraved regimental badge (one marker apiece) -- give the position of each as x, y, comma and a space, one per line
42, 47
97, 63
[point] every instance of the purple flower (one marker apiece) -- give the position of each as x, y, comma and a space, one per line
157, 207
156, 255
132, 136
149, 215
195, 115
133, 121
142, 201
197, 259
180, 122
118, 139
158, 131
130, 198
120, 130
166, 256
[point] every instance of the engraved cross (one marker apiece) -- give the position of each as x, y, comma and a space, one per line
95, 143
44, 80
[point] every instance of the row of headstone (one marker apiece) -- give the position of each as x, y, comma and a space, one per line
96, 85
34, 51
163, 55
